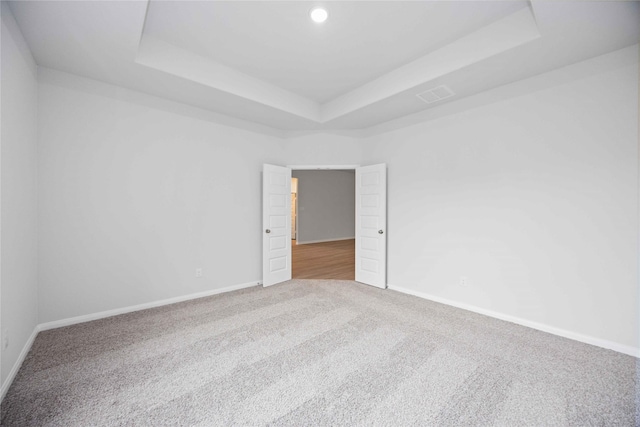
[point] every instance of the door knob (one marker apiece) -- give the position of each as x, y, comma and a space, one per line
380, 232
267, 231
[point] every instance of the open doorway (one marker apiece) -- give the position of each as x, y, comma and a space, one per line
370, 223
323, 224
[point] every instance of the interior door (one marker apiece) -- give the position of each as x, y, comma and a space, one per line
276, 224
371, 223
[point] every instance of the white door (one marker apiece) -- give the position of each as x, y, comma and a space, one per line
371, 224
276, 224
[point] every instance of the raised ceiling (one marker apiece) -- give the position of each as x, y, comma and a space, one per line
267, 62
276, 41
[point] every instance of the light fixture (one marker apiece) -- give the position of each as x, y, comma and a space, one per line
318, 15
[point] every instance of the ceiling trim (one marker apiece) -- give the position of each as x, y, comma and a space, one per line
507, 33
157, 54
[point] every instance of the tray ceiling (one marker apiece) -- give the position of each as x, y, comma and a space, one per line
268, 63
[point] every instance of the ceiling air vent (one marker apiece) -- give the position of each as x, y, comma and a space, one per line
438, 93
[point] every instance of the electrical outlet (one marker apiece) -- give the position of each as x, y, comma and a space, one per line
198, 272
463, 281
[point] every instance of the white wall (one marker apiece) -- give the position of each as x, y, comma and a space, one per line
533, 198
326, 205
322, 149
19, 192
138, 192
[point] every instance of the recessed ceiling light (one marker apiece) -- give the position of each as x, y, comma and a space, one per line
318, 15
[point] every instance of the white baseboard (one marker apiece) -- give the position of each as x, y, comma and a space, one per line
104, 314
632, 351
129, 309
620, 348
298, 242
16, 366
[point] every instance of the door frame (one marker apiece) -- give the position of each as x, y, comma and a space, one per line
322, 167
328, 167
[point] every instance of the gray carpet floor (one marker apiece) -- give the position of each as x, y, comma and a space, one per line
314, 352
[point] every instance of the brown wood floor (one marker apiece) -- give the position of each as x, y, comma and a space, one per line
327, 260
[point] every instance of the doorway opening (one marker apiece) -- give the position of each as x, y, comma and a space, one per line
370, 223
323, 224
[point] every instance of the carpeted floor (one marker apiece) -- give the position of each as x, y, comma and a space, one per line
314, 352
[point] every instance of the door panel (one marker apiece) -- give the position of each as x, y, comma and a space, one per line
276, 224
371, 222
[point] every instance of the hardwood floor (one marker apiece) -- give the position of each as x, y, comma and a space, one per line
328, 260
